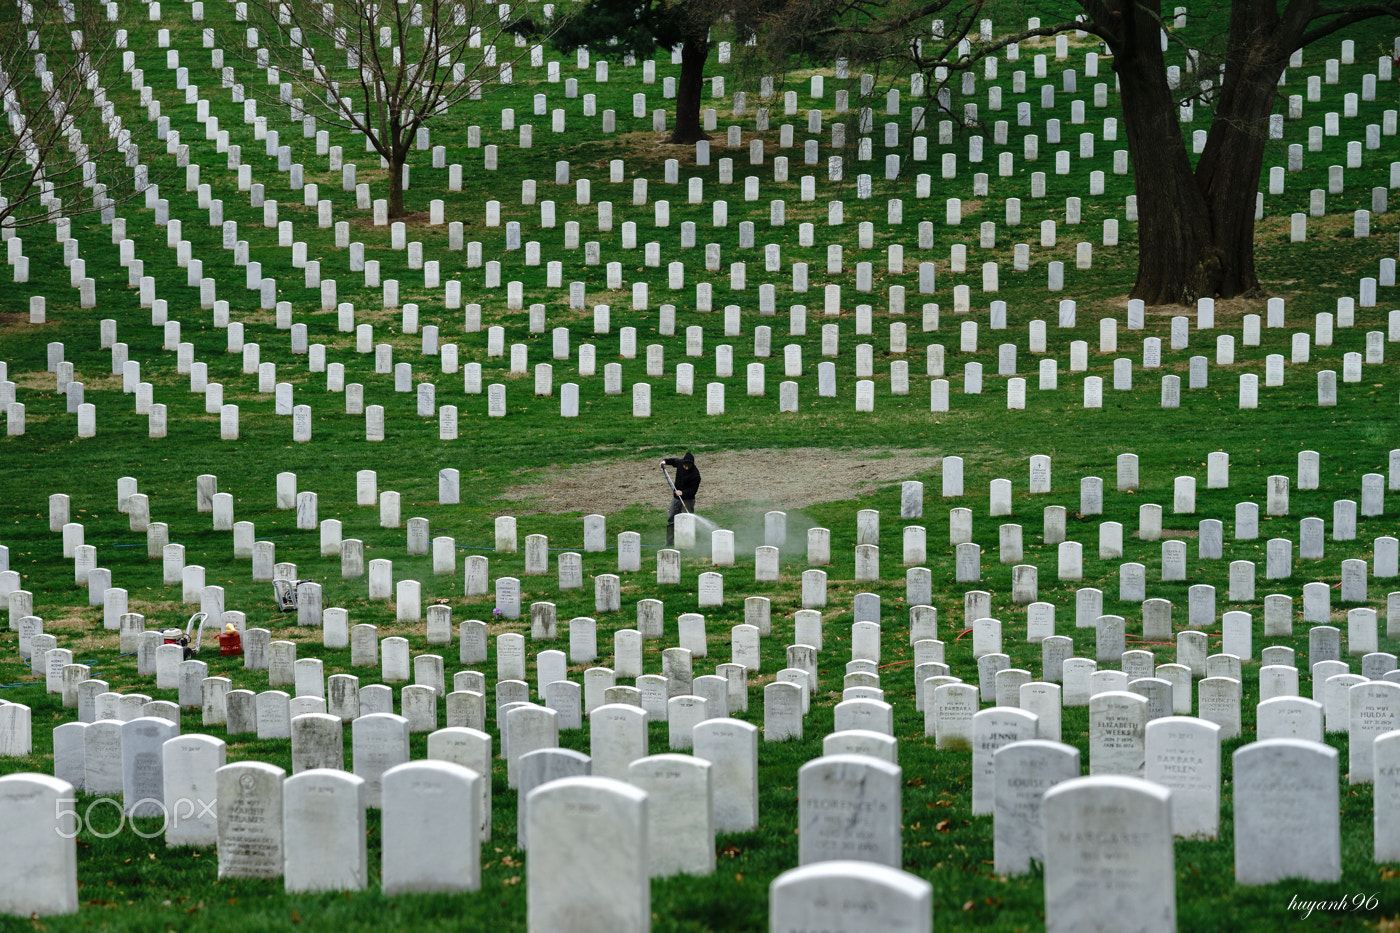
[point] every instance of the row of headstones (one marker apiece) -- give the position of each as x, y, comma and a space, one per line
383, 353
1133, 575
1352, 372
336, 632
167, 664
826, 371
309, 828
1180, 327
706, 697
1039, 482
940, 394
362, 640
968, 560
694, 347
165, 661
998, 731
1007, 353
1133, 820
1072, 681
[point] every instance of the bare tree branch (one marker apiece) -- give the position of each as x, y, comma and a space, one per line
408, 64
67, 151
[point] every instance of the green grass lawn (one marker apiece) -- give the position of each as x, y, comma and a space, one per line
134, 883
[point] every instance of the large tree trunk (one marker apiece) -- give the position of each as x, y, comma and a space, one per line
694, 51
1177, 261
1233, 158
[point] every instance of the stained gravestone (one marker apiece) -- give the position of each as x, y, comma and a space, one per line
1287, 824
16, 731
1183, 754
1117, 722
1024, 770
376, 698
143, 765
323, 821
849, 808
588, 867
955, 705
318, 741
431, 827
250, 843
850, 895
1094, 822
1218, 701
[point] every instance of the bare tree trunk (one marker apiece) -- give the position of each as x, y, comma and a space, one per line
1233, 158
694, 51
396, 208
1228, 176
1177, 261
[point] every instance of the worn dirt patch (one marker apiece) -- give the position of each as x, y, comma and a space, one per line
789, 479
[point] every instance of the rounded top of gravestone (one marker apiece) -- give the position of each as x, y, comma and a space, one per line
1100, 783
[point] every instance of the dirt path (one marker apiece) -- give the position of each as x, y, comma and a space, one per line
787, 478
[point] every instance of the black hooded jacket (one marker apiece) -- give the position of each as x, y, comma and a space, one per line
687, 481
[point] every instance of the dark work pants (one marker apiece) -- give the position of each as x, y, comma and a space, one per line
671, 516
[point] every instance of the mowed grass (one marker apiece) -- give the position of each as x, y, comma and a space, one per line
133, 883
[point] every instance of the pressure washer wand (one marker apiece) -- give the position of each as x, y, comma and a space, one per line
673, 489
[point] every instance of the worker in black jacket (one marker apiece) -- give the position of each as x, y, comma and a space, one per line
687, 484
